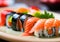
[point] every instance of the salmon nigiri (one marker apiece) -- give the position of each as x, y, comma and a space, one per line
29, 24
38, 27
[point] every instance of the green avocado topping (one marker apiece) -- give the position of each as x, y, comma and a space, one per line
44, 15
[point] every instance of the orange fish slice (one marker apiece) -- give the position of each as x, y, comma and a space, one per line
38, 26
48, 25
27, 34
30, 23
56, 25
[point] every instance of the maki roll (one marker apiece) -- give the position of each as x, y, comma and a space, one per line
24, 18
16, 21
9, 19
46, 28
51, 28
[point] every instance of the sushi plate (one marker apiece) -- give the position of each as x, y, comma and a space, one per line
10, 35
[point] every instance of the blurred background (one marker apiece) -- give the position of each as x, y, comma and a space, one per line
51, 5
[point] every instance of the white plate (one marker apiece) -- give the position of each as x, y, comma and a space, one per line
10, 35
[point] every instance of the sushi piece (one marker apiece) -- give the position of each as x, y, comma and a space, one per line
52, 27
57, 27
24, 18
9, 19
38, 28
28, 25
16, 21
12, 21
43, 27
49, 29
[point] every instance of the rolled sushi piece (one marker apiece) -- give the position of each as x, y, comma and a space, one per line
38, 28
52, 28
57, 27
9, 19
24, 18
48, 28
18, 21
